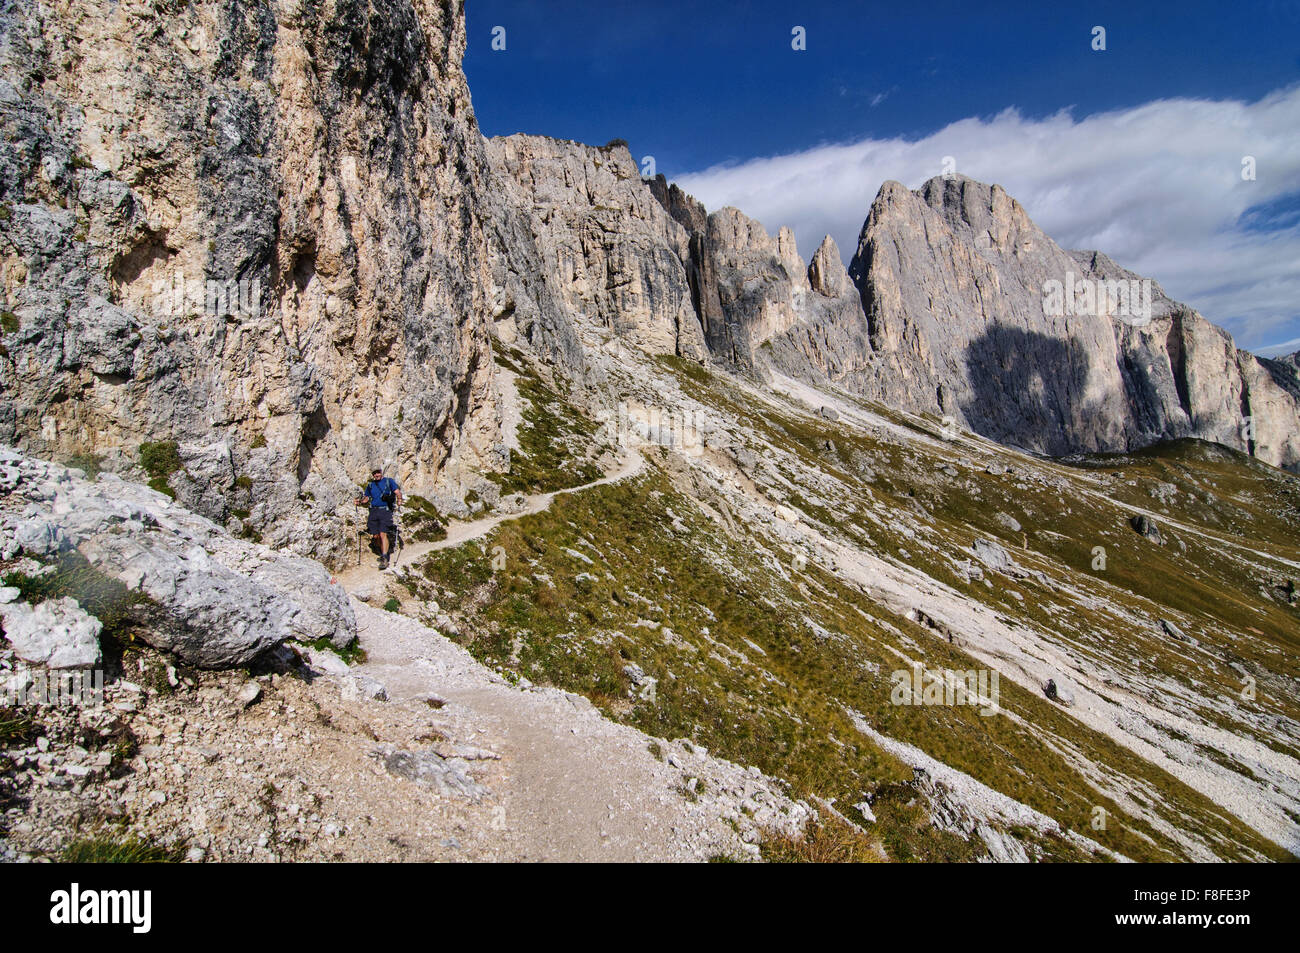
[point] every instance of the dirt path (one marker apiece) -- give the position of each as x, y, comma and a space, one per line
561, 782
459, 533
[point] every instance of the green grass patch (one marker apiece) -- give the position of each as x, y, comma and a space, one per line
353, 653
16, 728
113, 848
422, 521
555, 440
160, 460
120, 609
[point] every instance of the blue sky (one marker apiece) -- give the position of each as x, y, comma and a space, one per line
1138, 147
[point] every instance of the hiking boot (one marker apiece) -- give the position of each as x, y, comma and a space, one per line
383, 562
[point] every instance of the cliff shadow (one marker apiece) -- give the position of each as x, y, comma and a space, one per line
1023, 387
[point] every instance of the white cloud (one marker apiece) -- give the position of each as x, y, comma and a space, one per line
1157, 187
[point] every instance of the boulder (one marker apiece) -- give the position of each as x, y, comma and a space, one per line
1007, 522
56, 633
1058, 690
993, 555
1174, 632
38, 537
363, 688
213, 600
1145, 526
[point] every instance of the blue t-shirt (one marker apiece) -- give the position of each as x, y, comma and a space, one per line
376, 489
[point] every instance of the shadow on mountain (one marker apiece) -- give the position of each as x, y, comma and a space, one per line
1024, 385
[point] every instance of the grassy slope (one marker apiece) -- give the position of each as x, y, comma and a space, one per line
759, 663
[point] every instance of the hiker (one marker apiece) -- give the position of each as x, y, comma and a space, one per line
383, 494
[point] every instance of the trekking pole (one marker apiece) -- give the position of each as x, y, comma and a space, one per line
398, 542
360, 534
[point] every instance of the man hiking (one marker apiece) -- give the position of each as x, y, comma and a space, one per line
383, 495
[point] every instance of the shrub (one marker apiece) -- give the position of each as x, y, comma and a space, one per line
160, 460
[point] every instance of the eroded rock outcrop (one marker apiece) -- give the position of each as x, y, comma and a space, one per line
746, 286
613, 255
267, 233
829, 339
212, 600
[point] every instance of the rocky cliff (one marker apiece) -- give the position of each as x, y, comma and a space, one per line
266, 233
276, 239
957, 286
957, 304
611, 253
745, 287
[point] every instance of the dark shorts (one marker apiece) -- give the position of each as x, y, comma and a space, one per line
380, 520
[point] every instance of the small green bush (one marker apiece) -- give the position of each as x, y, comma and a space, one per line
160, 460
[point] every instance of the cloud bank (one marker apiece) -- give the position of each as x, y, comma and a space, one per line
1158, 187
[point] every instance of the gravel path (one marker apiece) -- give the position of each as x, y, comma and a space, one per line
560, 781
459, 533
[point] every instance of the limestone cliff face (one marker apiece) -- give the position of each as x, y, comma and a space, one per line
952, 281
829, 339
610, 252
266, 231
746, 287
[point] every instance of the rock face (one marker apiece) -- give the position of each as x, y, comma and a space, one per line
611, 251
955, 286
268, 233
214, 601
746, 288
830, 338
945, 309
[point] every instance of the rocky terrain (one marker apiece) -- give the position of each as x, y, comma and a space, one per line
252, 738
700, 536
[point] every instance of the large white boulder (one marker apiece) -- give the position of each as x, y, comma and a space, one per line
215, 601
57, 633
